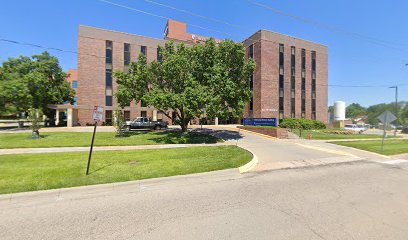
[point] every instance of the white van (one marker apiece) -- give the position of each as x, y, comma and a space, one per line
355, 128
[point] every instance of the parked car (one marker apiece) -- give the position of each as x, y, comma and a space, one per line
145, 123
355, 128
404, 130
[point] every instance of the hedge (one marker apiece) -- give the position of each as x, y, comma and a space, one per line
301, 123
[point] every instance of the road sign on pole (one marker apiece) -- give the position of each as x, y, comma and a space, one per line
386, 118
97, 117
97, 114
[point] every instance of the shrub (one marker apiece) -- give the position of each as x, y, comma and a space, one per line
338, 131
35, 115
301, 123
119, 122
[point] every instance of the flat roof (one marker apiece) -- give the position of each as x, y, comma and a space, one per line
114, 31
281, 34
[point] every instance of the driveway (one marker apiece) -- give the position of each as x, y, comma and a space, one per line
275, 153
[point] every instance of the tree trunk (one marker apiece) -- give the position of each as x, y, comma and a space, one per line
184, 125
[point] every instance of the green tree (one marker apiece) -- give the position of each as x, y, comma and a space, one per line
376, 110
211, 78
33, 83
353, 110
404, 113
119, 122
35, 116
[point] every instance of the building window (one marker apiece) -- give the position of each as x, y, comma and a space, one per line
303, 89
314, 85
108, 116
108, 75
108, 100
126, 115
108, 78
75, 102
251, 51
126, 54
143, 114
293, 81
281, 54
143, 49
281, 81
159, 55
109, 48
251, 87
142, 103
75, 84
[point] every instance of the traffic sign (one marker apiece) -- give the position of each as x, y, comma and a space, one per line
387, 117
98, 114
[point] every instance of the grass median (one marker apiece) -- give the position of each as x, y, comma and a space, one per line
30, 172
321, 135
83, 139
391, 147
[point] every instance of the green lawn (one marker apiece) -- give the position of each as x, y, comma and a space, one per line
318, 135
391, 147
29, 172
82, 139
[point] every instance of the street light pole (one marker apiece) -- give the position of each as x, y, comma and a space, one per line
396, 106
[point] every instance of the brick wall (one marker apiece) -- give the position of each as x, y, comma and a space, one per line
281, 133
266, 77
92, 69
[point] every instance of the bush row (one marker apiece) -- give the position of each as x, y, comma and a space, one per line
338, 131
301, 123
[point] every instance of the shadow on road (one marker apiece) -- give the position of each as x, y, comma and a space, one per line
220, 133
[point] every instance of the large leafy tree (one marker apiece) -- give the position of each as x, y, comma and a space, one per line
211, 78
33, 83
353, 110
375, 110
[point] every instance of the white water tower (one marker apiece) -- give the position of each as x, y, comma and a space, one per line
339, 111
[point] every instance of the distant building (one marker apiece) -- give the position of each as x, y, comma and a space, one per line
290, 79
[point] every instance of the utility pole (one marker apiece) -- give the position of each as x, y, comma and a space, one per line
396, 106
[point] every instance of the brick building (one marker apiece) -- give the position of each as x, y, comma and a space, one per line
290, 79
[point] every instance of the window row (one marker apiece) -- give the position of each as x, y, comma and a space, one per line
126, 115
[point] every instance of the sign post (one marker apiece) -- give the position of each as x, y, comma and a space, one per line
97, 117
386, 118
261, 122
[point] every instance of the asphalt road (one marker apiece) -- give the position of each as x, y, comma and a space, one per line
359, 200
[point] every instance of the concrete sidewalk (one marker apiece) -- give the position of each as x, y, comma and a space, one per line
101, 148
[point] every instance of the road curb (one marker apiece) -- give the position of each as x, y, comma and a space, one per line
250, 165
318, 148
366, 151
259, 134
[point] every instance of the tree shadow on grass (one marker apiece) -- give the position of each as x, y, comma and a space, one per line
41, 136
131, 133
177, 137
100, 168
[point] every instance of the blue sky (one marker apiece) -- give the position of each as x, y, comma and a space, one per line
353, 60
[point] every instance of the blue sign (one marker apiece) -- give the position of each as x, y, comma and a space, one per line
261, 122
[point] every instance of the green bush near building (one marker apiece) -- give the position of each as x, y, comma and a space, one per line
301, 123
